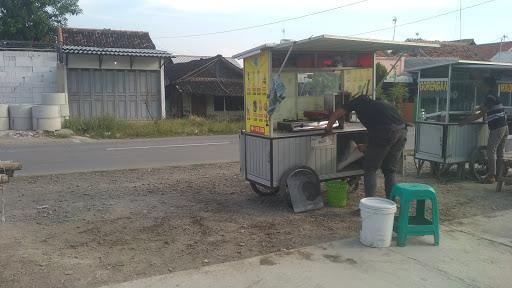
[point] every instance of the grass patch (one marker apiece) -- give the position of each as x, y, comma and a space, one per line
111, 128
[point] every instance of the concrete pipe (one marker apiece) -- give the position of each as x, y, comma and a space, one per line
20, 117
46, 111
53, 99
20, 111
64, 110
4, 111
47, 124
20, 124
4, 124
4, 117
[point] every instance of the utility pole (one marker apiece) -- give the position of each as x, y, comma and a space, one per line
460, 19
394, 27
503, 38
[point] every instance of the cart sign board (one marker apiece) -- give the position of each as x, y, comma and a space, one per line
434, 86
505, 87
256, 70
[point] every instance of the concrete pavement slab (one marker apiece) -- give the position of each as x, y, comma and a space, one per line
337, 264
467, 257
494, 227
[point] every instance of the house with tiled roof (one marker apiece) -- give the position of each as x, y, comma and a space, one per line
113, 72
491, 51
450, 49
209, 87
187, 58
464, 49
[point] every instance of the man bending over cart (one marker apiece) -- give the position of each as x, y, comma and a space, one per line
387, 134
494, 112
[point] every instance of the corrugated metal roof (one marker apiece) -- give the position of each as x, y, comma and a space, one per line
334, 43
412, 64
461, 63
187, 58
115, 51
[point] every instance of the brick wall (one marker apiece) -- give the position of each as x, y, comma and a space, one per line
24, 75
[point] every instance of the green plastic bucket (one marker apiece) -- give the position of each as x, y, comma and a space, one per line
336, 193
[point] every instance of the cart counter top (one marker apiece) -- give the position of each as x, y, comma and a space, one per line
349, 128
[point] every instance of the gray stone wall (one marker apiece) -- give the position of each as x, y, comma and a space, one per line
24, 75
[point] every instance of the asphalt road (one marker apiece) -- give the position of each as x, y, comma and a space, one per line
41, 159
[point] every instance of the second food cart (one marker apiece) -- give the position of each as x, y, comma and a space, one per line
448, 91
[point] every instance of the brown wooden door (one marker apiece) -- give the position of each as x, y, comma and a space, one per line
199, 105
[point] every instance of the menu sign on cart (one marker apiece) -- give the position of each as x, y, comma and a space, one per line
256, 82
505, 87
434, 86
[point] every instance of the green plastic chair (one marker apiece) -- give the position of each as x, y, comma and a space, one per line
417, 225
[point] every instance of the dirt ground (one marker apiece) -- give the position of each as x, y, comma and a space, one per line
92, 229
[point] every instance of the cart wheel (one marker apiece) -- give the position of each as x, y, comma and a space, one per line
283, 188
283, 184
263, 190
478, 163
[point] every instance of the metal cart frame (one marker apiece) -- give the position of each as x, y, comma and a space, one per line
440, 142
265, 156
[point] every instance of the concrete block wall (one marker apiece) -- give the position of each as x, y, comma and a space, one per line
24, 75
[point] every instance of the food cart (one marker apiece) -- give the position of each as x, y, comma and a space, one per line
448, 91
290, 89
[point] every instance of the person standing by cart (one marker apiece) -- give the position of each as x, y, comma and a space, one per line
493, 111
387, 135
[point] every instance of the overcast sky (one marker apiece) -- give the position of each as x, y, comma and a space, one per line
165, 19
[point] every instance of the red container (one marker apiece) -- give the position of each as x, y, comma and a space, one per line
316, 115
304, 61
365, 61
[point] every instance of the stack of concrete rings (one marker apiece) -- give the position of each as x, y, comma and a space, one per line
20, 117
49, 115
4, 117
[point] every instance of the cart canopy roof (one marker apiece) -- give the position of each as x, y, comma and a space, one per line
417, 64
332, 43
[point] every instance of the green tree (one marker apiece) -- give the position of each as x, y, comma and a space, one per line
34, 20
380, 73
396, 94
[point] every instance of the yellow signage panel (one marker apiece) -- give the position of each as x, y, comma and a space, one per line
356, 81
506, 87
256, 70
435, 86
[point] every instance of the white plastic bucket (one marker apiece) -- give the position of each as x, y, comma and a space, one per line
378, 215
